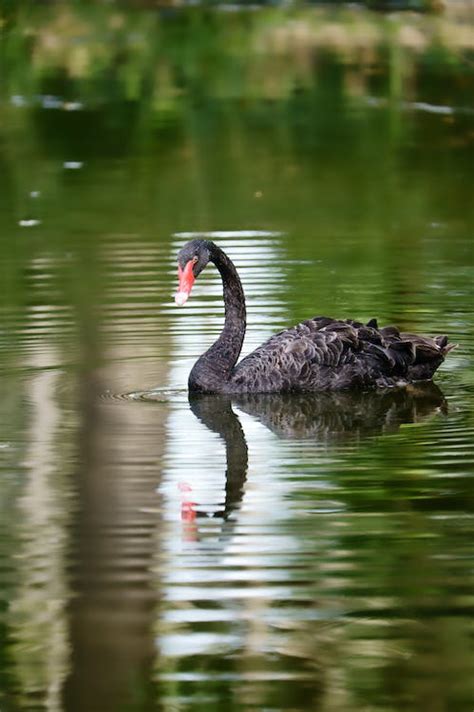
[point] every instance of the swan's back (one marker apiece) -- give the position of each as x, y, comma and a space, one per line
323, 354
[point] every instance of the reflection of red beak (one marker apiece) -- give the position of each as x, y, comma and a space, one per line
186, 280
188, 513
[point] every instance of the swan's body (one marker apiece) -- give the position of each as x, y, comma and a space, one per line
320, 354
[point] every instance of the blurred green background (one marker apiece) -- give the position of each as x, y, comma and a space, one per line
334, 146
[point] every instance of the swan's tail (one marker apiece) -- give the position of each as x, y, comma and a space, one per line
429, 354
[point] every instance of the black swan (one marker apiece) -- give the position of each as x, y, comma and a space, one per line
320, 354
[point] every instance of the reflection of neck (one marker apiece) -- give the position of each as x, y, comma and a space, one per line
216, 413
213, 368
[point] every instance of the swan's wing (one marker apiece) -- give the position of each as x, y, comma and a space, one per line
327, 354
292, 359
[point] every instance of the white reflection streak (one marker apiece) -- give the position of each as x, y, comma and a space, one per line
201, 466
194, 473
37, 613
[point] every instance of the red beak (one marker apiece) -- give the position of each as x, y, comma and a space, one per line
186, 280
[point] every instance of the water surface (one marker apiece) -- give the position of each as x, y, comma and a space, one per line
271, 553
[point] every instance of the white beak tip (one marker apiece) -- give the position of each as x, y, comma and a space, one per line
181, 298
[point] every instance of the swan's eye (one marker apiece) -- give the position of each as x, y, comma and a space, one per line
195, 259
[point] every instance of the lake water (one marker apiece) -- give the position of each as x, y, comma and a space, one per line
270, 553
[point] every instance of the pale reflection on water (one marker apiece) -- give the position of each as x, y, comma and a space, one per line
37, 614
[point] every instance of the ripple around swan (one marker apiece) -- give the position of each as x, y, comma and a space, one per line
157, 395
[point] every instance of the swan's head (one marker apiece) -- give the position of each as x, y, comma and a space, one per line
192, 259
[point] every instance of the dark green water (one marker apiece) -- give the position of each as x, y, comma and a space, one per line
267, 554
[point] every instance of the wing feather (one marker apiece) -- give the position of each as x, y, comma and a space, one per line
327, 354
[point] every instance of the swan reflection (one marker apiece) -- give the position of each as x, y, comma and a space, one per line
325, 418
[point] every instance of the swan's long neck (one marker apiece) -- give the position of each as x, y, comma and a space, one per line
213, 368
